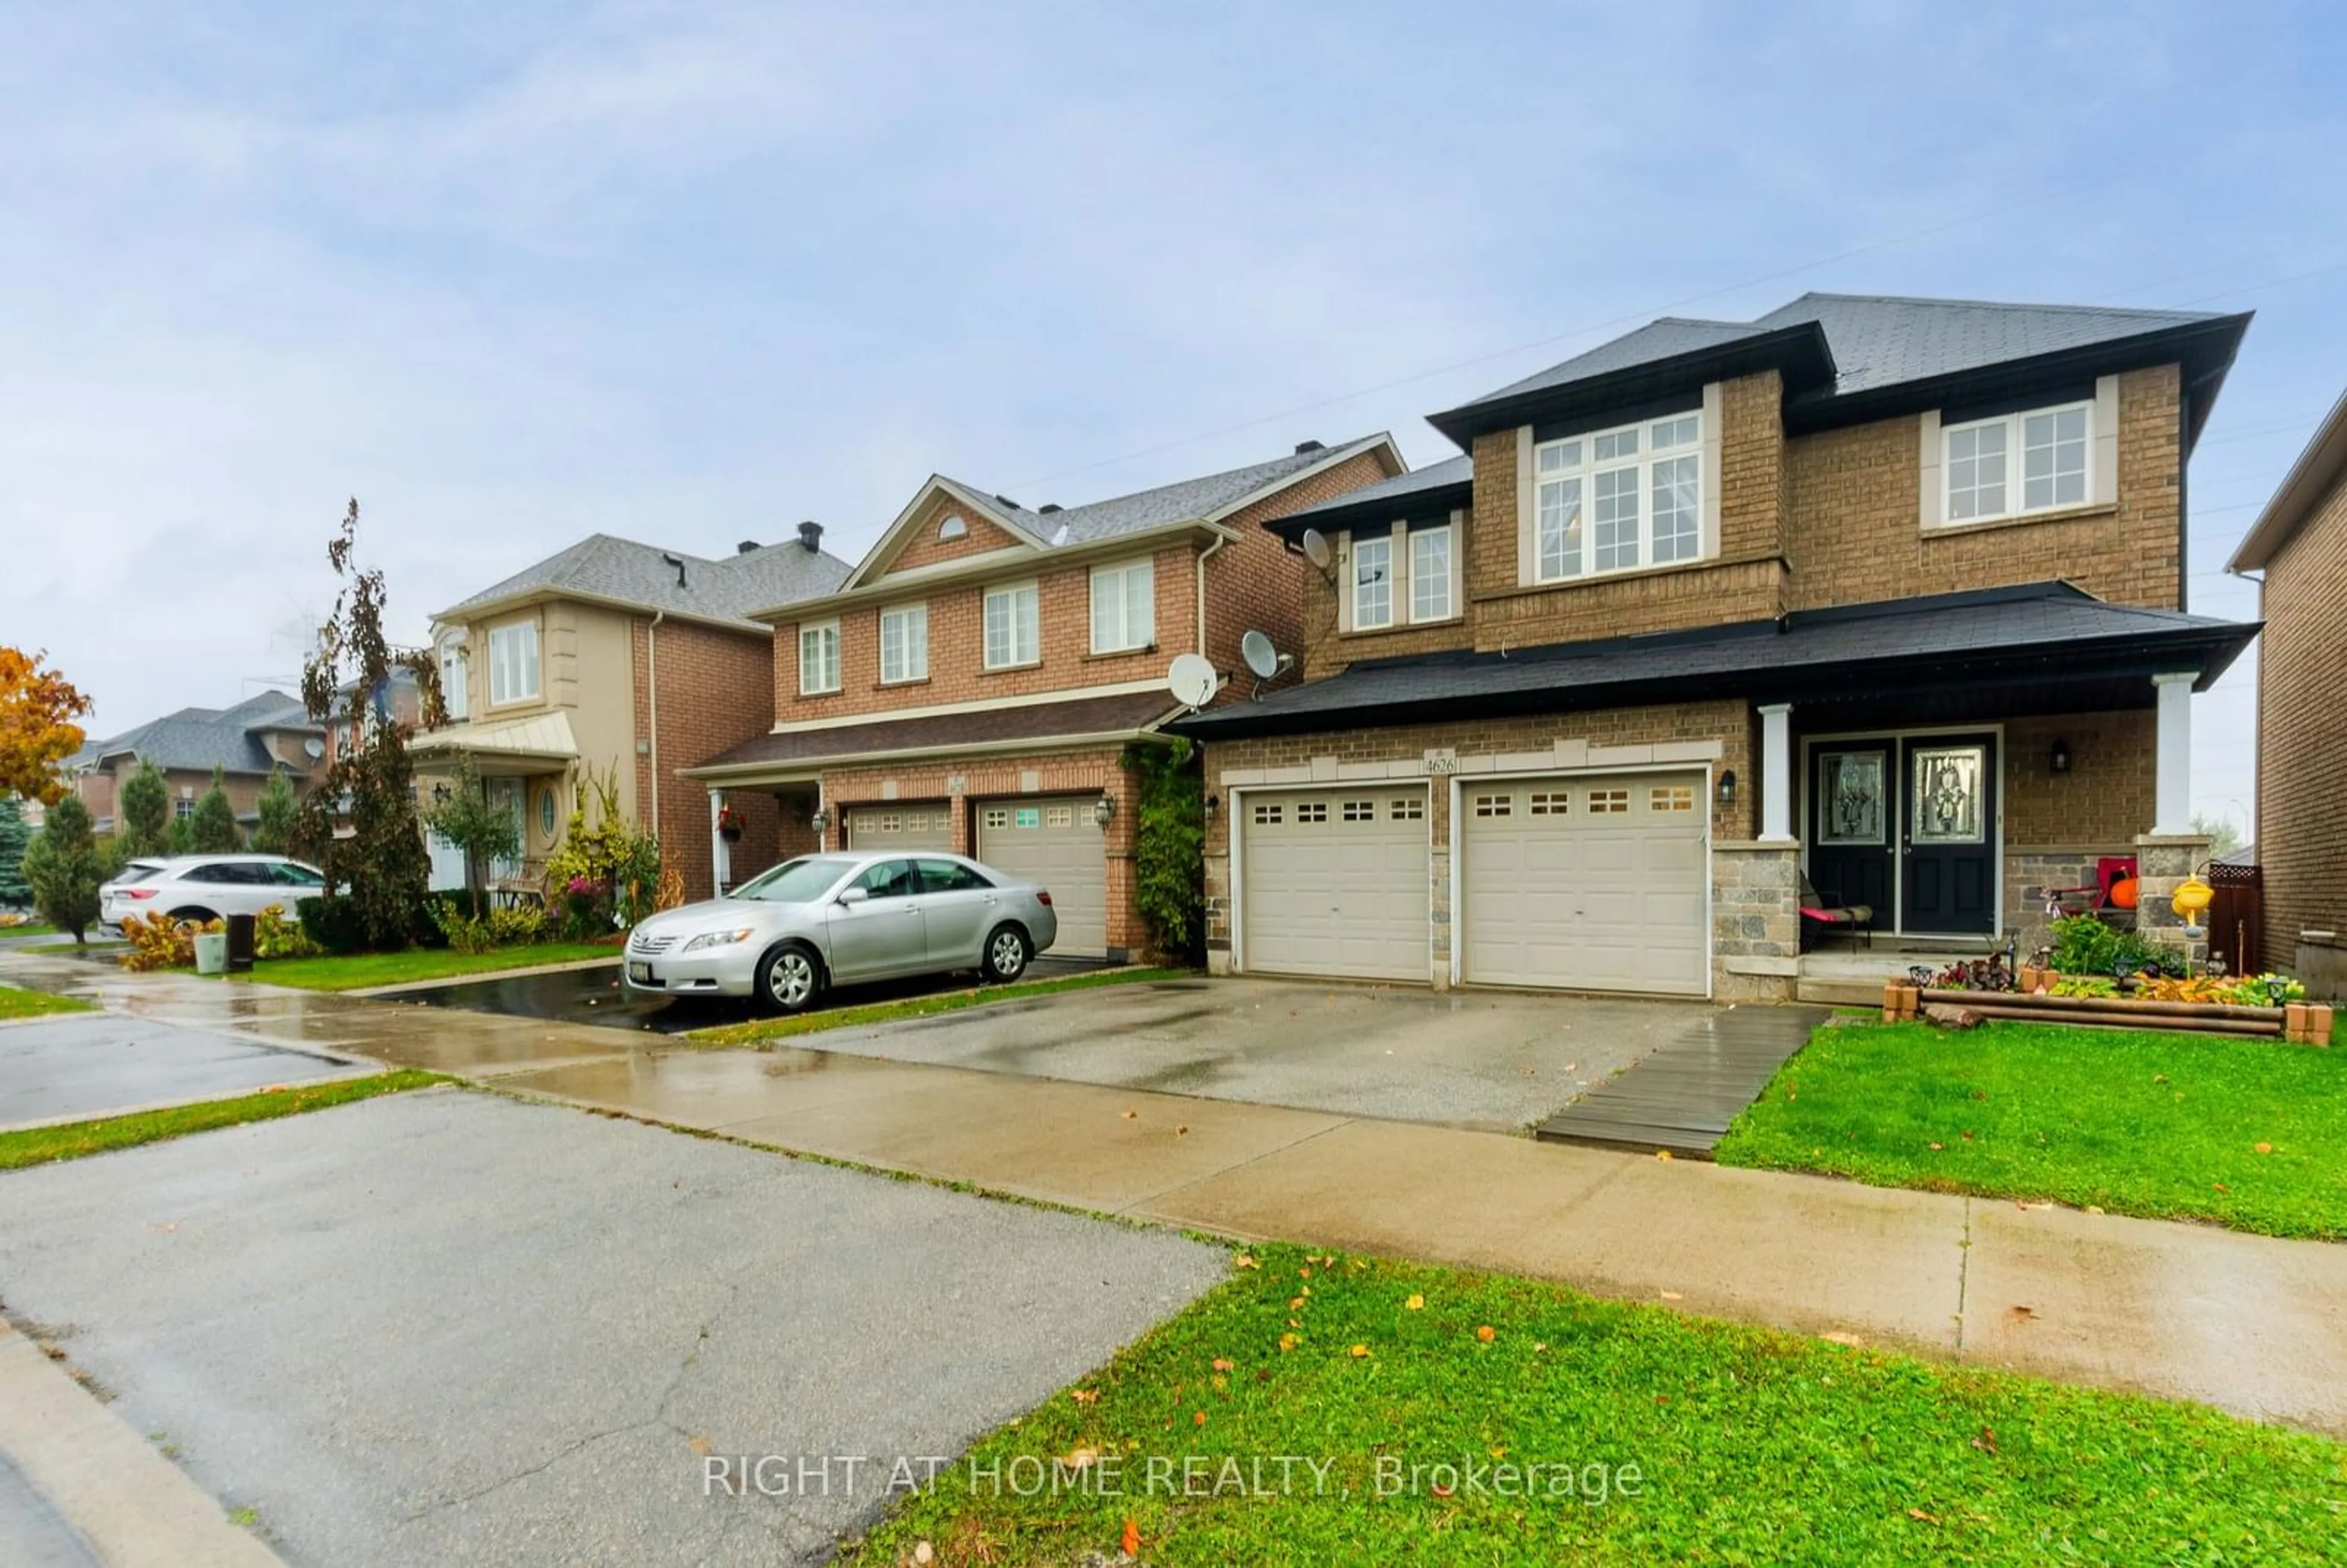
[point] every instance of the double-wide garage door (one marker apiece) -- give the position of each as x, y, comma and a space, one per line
1335, 882
1584, 883
874, 829
1055, 842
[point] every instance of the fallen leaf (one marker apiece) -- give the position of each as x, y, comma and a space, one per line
1938, 1146
1968, 1137
1303, 1274
1416, 1304
1670, 1295
54, 1352
1129, 1115
1296, 1303
2265, 1148
1662, 1153
1085, 1396
1986, 1441
2221, 1186
1359, 1351
1440, 1490
699, 1445
1181, 1132
2094, 1208
1539, 1345
923, 1552
1926, 1518
2020, 1314
1290, 1341
1499, 1453
1487, 1334
1244, 1260
1131, 1537
1838, 1337
1198, 1417
1079, 1459
1223, 1364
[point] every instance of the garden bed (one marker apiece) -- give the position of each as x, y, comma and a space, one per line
2298, 1024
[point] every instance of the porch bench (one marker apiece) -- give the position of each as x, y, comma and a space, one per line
1822, 913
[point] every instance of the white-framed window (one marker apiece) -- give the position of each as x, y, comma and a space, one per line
1013, 634
2011, 464
1372, 581
454, 696
818, 657
905, 643
1124, 607
1615, 500
512, 662
1429, 573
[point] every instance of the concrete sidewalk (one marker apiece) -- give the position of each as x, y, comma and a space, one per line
2248, 1324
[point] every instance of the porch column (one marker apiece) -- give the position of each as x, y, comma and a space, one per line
1775, 773
2172, 810
721, 866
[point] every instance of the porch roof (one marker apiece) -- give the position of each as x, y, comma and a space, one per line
1011, 726
2031, 639
534, 745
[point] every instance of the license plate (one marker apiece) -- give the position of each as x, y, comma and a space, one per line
640, 973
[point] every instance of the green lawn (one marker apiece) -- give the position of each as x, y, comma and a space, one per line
29, 928
1710, 1442
41, 1145
17, 1002
765, 1031
2174, 1126
356, 971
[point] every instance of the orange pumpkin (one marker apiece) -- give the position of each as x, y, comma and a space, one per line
2122, 893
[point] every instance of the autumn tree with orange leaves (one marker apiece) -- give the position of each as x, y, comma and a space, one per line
38, 710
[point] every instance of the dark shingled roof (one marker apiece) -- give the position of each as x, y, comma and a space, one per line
603, 566
1037, 721
1388, 497
2039, 628
197, 740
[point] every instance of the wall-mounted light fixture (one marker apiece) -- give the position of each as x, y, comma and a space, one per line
2060, 762
1103, 809
1728, 787
1213, 805
820, 821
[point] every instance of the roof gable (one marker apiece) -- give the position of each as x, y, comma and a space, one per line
947, 521
613, 570
197, 740
2317, 472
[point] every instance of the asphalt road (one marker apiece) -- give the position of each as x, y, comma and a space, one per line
88, 1064
442, 1327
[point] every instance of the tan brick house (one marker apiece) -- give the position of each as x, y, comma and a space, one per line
973, 683
621, 657
1884, 593
2299, 545
263, 734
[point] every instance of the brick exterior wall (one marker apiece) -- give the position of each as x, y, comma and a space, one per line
1255, 584
99, 790
715, 692
1852, 532
1728, 723
922, 547
2302, 830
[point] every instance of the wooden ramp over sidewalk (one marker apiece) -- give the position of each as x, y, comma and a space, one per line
1682, 1096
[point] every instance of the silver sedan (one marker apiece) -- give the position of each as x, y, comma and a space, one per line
821, 920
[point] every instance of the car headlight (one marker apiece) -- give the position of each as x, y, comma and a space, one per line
718, 939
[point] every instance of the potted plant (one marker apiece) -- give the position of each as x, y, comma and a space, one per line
730, 824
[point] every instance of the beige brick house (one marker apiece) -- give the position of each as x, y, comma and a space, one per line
1887, 593
618, 657
973, 683
263, 734
2299, 545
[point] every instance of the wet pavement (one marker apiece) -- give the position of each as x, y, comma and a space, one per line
594, 995
96, 1064
442, 1326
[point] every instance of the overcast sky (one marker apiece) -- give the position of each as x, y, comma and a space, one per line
514, 272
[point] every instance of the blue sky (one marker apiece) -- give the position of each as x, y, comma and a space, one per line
512, 273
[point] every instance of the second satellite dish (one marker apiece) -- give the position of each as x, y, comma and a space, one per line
1192, 679
1316, 551
1260, 655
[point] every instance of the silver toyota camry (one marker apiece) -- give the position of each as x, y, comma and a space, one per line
822, 920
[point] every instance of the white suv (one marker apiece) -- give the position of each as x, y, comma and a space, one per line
208, 886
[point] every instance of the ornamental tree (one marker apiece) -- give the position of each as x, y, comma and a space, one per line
213, 829
277, 807
64, 868
37, 733
143, 812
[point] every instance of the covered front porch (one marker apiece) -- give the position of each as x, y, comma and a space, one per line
526, 767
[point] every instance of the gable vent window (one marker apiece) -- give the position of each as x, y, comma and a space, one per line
953, 528
2034, 460
1615, 500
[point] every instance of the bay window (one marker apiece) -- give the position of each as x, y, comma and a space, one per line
1013, 634
1614, 500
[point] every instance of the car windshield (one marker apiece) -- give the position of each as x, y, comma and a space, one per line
800, 881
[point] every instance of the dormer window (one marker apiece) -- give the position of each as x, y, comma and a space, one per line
1615, 500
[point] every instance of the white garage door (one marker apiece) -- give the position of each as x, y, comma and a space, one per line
874, 829
1587, 883
1054, 842
1335, 882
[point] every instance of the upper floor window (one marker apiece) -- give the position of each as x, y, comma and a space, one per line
1430, 574
1124, 607
453, 694
905, 643
1372, 581
1013, 635
818, 659
2032, 460
1612, 500
512, 662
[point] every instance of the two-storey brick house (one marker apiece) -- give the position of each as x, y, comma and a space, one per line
1885, 591
621, 658
972, 685
2299, 546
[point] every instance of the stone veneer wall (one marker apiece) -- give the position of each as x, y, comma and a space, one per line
2162, 863
1755, 921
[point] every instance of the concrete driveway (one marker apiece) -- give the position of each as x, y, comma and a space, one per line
442, 1327
1476, 1059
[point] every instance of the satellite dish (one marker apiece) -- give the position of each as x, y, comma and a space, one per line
1316, 551
1260, 655
313, 748
1192, 679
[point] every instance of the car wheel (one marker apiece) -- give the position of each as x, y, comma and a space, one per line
1007, 952
790, 978
193, 916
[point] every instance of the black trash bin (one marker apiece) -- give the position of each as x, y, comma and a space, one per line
240, 943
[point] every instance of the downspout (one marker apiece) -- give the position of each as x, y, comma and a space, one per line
1220, 540
651, 686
